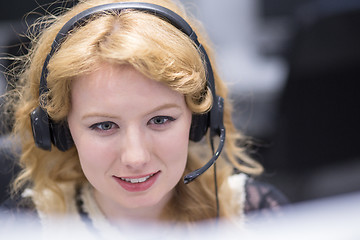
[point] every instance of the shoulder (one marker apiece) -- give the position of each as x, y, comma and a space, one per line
16, 208
261, 196
18, 217
256, 196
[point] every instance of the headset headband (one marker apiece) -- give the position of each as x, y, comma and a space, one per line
156, 10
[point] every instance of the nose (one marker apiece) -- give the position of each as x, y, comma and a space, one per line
136, 149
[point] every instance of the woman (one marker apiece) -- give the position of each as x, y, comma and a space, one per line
127, 89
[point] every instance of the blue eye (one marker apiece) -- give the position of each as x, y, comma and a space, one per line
103, 126
160, 120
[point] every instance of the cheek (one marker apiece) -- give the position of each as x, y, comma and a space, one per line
93, 156
174, 146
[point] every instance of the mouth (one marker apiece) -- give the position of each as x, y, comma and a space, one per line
138, 180
138, 183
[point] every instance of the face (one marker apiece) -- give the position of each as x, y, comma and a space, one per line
132, 135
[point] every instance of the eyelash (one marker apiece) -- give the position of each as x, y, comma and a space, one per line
99, 126
164, 120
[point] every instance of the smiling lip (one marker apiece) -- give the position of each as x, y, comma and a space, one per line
138, 183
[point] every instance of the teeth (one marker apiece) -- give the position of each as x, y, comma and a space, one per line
137, 180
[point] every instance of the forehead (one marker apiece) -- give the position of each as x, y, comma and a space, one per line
115, 84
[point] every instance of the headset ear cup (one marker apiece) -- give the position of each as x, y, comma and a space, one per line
41, 128
199, 126
61, 136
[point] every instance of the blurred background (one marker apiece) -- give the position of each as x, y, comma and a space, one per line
293, 67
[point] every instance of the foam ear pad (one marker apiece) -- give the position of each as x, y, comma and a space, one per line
46, 132
199, 126
41, 128
61, 136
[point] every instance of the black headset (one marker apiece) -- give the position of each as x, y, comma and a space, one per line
47, 132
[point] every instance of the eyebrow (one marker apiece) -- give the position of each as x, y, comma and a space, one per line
106, 115
164, 106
